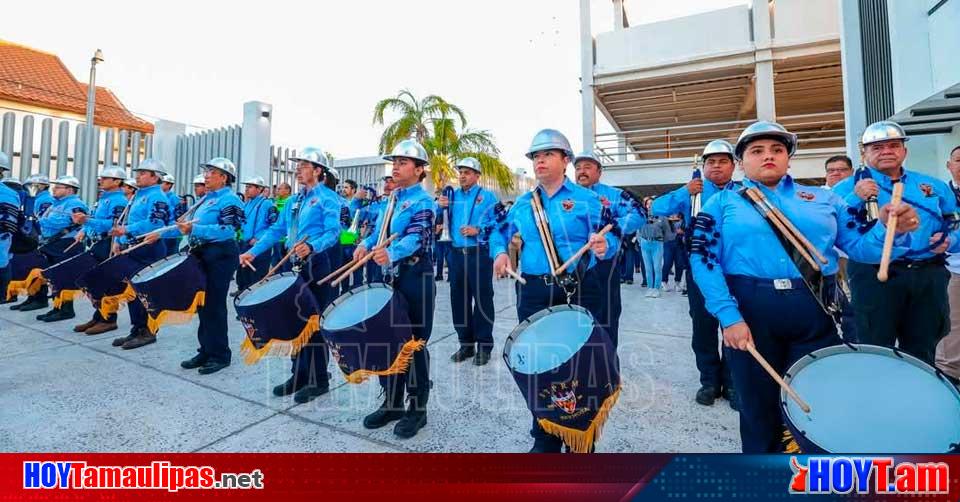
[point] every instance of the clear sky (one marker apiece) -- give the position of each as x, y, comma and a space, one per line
512, 65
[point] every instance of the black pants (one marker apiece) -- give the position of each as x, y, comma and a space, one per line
4, 282
786, 325
218, 261
441, 253
56, 252
101, 251
706, 345
144, 257
416, 284
910, 310
310, 364
247, 276
608, 272
537, 295
356, 278
471, 296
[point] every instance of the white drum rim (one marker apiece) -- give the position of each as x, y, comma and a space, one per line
182, 256
344, 297
62, 262
540, 314
253, 287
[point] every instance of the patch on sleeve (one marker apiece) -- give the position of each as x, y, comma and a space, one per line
231, 216
160, 213
272, 215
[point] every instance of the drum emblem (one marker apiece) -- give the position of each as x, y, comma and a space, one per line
249, 327
564, 397
807, 196
605, 201
567, 205
926, 189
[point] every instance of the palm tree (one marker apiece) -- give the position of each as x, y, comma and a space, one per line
440, 127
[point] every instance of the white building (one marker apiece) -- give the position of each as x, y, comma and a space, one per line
667, 88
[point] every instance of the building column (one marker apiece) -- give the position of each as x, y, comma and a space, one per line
255, 140
165, 134
619, 16
763, 83
851, 60
588, 107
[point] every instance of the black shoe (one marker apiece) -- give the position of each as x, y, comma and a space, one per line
117, 342
707, 395
438, 278
683, 293
730, 394
310, 392
483, 357
543, 445
211, 367
61, 314
462, 354
143, 337
194, 362
21, 304
34, 305
382, 416
289, 387
630, 281
411, 423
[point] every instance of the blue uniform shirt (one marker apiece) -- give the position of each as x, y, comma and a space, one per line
174, 201
35, 206
474, 208
9, 219
220, 216
149, 210
732, 238
260, 213
573, 213
59, 216
624, 208
678, 201
930, 197
413, 217
315, 214
106, 212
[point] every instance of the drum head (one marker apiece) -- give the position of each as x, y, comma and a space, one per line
267, 290
162, 267
871, 400
548, 339
356, 306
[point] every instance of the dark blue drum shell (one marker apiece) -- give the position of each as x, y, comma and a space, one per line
109, 277
22, 264
571, 393
173, 290
374, 342
280, 317
64, 276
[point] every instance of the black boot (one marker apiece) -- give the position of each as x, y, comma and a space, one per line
61, 314
465, 352
707, 395
290, 386
390, 410
194, 362
415, 417
310, 392
546, 445
34, 303
730, 394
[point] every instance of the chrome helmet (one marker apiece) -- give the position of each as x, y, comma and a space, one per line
765, 129
469, 163
410, 149
313, 155
549, 139
113, 172
717, 146
70, 181
587, 155
153, 165
256, 181
222, 164
884, 130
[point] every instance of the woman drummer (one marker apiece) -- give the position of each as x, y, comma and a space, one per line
409, 263
753, 286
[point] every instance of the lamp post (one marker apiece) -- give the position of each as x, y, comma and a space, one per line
92, 88
88, 164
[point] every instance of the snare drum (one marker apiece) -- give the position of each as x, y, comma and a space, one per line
25, 273
369, 332
568, 372
108, 283
871, 399
279, 314
171, 290
63, 277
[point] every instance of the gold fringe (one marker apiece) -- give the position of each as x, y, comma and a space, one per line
400, 365
582, 441
31, 285
66, 295
166, 317
280, 348
789, 443
110, 305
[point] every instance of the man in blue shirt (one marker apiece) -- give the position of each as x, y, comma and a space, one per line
472, 218
95, 230
355, 209
575, 216
172, 241
10, 216
718, 167
409, 266
314, 214
149, 210
911, 308
626, 210
259, 213
57, 233
213, 240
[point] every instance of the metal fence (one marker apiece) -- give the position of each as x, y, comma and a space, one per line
79, 154
199, 147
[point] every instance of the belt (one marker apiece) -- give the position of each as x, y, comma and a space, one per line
784, 284
938, 261
472, 249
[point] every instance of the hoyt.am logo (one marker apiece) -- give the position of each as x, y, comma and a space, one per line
878, 475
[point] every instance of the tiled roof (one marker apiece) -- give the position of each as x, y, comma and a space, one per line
38, 78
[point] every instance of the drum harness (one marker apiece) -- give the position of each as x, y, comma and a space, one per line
567, 281
388, 270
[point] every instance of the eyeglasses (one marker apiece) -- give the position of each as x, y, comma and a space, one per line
838, 170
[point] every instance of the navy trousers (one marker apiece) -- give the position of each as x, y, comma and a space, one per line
246, 276
311, 362
705, 342
537, 295
416, 283
786, 325
143, 256
441, 253
218, 260
356, 278
471, 296
610, 304
101, 251
56, 252
626, 264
